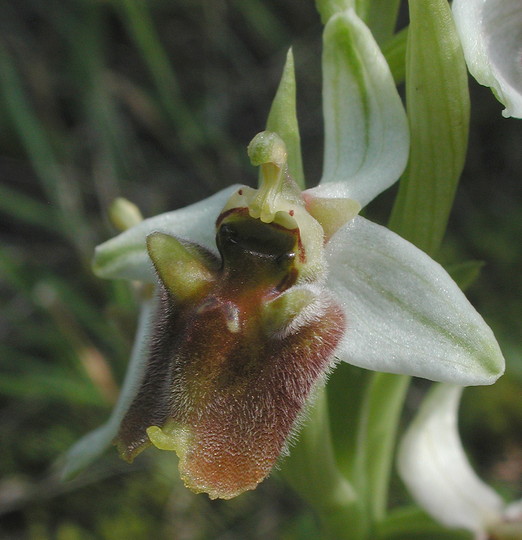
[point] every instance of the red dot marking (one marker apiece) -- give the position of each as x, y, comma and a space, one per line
291, 212
240, 192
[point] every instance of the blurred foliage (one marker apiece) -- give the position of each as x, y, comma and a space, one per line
156, 101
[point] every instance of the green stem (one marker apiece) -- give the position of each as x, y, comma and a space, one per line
384, 404
311, 469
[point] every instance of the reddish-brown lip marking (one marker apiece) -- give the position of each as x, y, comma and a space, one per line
239, 394
241, 211
220, 373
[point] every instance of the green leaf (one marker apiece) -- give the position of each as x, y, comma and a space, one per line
411, 523
141, 28
282, 119
328, 8
438, 112
36, 142
50, 386
27, 209
394, 51
311, 469
381, 17
465, 273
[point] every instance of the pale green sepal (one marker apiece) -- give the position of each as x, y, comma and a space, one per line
125, 256
92, 445
438, 110
180, 266
404, 313
366, 130
492, 41
282, 119
434, 466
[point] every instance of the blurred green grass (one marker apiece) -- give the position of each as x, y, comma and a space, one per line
156, 101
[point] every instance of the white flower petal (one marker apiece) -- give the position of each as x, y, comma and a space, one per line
491, 35
125, 256
404, 313
92, 445
434, 466
366, 130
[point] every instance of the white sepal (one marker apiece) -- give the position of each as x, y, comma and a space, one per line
125, 256
436, 471
92, 445
366, 130
404, 313
491, 36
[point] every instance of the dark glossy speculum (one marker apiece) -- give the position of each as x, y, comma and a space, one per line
234, 357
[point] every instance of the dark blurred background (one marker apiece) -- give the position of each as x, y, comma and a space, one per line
156, 101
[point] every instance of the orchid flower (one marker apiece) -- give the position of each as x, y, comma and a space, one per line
491, 36
435, 469
242, 338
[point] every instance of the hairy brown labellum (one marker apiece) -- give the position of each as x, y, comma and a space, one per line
237, 349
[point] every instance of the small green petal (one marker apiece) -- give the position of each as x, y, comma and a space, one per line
182, 267
283, 120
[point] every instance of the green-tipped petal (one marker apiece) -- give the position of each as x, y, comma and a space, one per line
492, 41
283, 120
366, 131
92, 445
404, 313
125, 256
181, 266
434, 467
